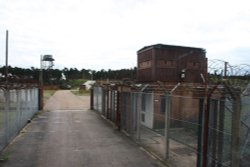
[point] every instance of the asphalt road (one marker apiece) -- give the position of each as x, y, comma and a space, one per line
70, 135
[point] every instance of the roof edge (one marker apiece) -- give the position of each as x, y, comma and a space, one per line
167, 46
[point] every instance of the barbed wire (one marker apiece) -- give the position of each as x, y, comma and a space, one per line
221, 67
236, 75
241, 70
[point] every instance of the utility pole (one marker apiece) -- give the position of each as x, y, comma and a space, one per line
6, 58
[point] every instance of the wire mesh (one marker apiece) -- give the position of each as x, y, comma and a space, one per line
152, 123
128, 108
98, 96
17, 106
245, 131
220, 135
184, 130
143, 117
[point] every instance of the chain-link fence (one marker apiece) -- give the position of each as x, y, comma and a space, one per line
98, 96
220, 131
173, 127
245, 131
185, 126
17, 106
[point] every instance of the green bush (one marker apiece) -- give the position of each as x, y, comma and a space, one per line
75, 83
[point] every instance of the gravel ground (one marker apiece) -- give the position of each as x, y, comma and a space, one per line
64, 100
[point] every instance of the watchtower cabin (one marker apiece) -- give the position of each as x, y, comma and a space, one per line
168, 63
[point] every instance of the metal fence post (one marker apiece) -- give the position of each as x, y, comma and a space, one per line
103, 101
30, 103
40, 99
138, 129
205, 132
167, 124
26, 102
107, 103
6, 113
236, 131
113, 105
18, 108
221, 128
200, 132
97, 98
91, 99
118, 111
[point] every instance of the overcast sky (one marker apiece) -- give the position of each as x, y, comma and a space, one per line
106, 34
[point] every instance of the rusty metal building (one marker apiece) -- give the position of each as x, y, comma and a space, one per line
170, 63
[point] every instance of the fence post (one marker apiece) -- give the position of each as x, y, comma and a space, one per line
118, 111
138, 130
18, 108
236, 131
167, 124
97, 98
200, 132
221, 128
113, 106
107, 103
103, 101
6, 120
214, 115
40, 101
91, 99
205, 131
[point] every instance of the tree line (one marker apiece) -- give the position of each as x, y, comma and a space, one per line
54, 76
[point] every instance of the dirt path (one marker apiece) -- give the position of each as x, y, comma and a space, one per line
64, 100
71, 135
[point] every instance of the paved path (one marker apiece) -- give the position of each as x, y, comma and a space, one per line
73, 137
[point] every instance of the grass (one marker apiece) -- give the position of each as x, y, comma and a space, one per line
75, 83
80, 92
48, 93
4, 157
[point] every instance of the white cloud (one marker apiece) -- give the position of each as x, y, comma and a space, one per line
106, 34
